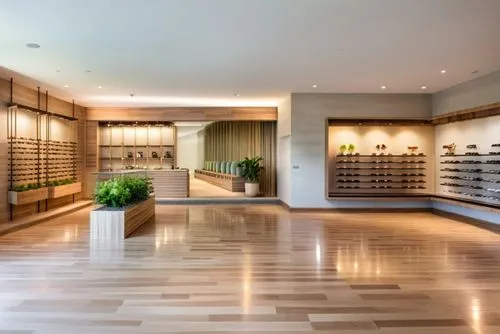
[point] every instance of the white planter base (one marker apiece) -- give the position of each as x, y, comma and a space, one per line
251, 189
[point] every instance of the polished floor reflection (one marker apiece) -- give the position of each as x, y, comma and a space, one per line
253, 269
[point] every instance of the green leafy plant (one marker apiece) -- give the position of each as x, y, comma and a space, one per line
123, 191
251, 169
351, 148
61, 182
26, 187
342, 148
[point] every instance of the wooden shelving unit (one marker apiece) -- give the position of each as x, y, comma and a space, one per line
133, 146
472, 176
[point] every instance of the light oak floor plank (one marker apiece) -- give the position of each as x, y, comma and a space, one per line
253, 269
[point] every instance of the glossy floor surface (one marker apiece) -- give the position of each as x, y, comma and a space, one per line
253, 269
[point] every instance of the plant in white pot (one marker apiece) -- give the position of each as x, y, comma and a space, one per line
251, 173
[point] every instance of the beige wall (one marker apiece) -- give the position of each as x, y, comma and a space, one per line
308, 136
478, 92
284, 156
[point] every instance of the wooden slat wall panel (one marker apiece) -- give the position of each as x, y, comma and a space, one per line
183, 114
235, 140
29, 97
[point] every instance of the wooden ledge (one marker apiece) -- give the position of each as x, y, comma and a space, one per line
26, 222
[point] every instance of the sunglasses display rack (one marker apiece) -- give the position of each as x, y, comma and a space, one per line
30, 158
380, 174
472, 176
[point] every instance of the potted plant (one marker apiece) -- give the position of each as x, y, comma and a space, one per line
28, 193
351, 148
64, 187
342, 149
127, 204
251, 172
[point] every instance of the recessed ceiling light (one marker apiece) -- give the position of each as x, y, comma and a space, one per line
423, 87
315, 86
87, 71
99, 87
33, 45
236, 95
58, 71
475, 72
443, 71
131, 94
66, 86
383, 87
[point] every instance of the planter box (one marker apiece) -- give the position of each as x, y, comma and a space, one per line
114, 225
64, 190
29, 196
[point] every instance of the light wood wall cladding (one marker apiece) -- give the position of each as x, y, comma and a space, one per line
233, 141
29, 97
183, 114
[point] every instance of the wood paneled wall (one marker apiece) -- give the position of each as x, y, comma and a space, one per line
29, 97
233, 141
184, 114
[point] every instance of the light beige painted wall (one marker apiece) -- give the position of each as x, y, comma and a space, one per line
478, 92
283, 145
308, 140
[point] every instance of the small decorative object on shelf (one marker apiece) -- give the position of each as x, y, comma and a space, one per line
413, 149
154, 155
130, 155
342, 149
168, 155
472, 147
381, 149
451, 148
351, 148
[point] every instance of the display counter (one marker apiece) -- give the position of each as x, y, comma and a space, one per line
167, 183
170, 183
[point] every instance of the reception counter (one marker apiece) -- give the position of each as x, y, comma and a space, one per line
170, 183
167, 183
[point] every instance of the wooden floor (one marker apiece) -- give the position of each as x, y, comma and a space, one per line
253, 269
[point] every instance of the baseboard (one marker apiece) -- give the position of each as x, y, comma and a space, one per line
468, 220
360, 210
284, 205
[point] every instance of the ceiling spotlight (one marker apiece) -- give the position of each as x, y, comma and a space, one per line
87, 71
383, 87
66, 86
423, 87
33, 45
443, 71
236, 95
58, 71
315, 86
131, 94
475, 72
99, 87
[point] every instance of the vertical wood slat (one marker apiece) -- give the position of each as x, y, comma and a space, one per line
235, 140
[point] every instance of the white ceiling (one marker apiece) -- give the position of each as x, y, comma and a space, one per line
201, 52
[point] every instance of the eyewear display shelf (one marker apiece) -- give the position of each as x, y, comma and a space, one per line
29, 158
384, 175
472, 177
136, 147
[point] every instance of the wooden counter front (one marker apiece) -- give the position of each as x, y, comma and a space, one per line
170, 183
